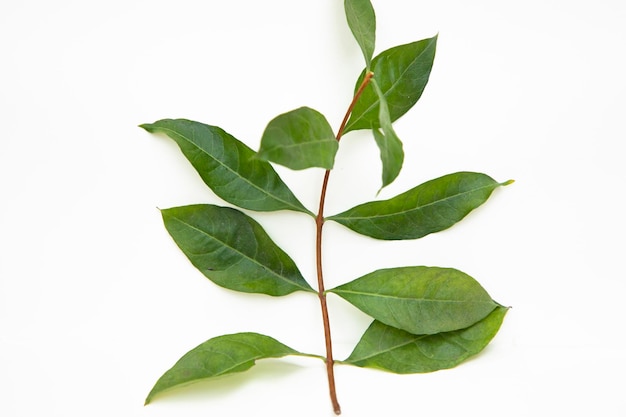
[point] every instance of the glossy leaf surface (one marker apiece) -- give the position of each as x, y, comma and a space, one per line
232, 250
221, 355
402, 73
419, 299
390, 349
299, 139
390, 146
229, 167
362, 22
428, 208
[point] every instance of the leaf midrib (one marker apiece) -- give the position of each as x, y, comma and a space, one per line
252, 359
381, 352
396, 297
393, 86
315, 142
266, 267
228, 168
415, 339
229, 369
418, 208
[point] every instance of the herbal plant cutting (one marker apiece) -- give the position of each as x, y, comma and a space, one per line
424, 318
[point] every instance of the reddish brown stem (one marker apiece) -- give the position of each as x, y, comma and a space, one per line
319, 222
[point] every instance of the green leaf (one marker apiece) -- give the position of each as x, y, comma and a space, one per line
428, 208
419, 299
362, 22
394, 350
221, 355
229, 167
402, 73
233, 250
299, 139
390, 146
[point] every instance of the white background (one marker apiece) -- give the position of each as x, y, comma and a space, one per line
96, 301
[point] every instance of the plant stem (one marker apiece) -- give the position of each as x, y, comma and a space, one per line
319, 223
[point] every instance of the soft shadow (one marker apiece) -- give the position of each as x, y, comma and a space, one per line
266, 370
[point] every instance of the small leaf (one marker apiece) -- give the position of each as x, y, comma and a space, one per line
221, 355
419, 299
362, 22
402, 73
390, 146
229, 167
428, 208
299, 139
394, 350
233, 250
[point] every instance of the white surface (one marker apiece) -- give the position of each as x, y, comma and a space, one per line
96, 302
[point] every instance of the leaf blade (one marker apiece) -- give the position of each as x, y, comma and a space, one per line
299, 139
394, 350
389, 144
402, 73
229, 167
362, 22
419, 299
430, 207
218, 356
233, 250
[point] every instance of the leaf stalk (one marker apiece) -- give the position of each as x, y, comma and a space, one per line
319, 223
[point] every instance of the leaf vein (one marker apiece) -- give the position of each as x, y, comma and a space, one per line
409, 211
231, 170
244, 256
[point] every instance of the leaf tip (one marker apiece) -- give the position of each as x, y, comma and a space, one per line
149, 127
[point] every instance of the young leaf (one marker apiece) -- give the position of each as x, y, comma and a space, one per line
419, 299
390, 146
233, 250
402, 73
428, 208
394, 350
221, 355
362, 22
299, 139
229, 167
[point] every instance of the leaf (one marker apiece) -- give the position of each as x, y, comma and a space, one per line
362, 22
394, 350
233, 250
299, 139
390, 146
221, 355
402, 73
229, 167
419, 299
428, 208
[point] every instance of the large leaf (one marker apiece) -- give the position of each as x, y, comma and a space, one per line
390, 146
362, 22
419, 299
428, 208
221, 355
299, 139
390, 349
229, 167
233, 250
402, 73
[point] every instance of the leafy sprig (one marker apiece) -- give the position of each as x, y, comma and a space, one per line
424, 318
